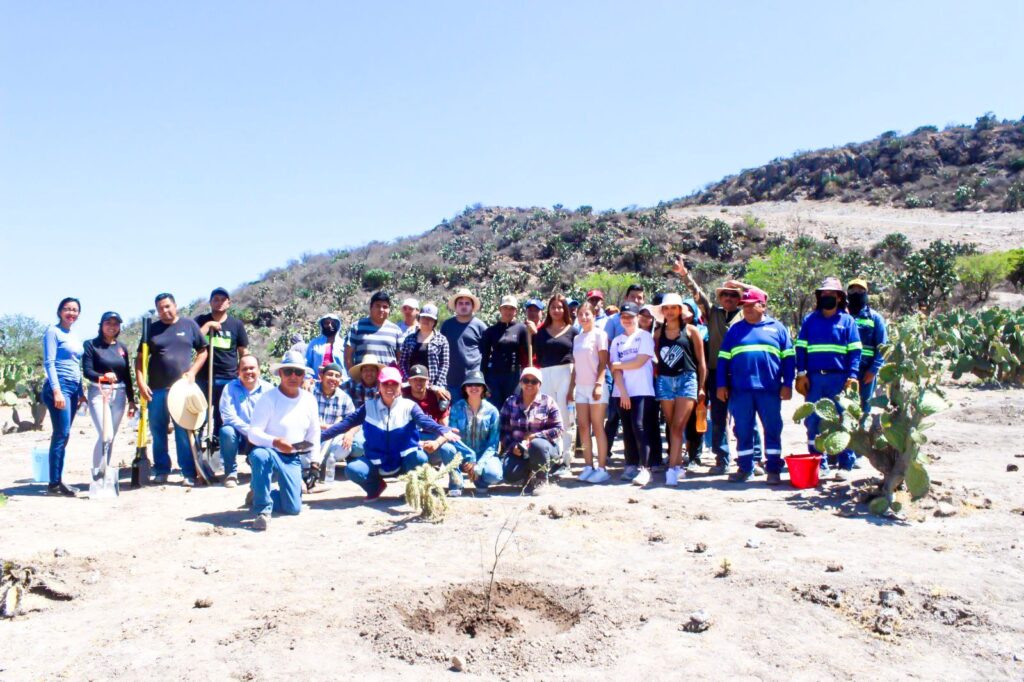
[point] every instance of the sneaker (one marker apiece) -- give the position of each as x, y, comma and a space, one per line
248, 498
187, 482
672, 476
642, 478
160, 479
758, 469
380, 491
599, 476
774, 479
587, 472
61, 490
231, 481
740, 476
562, 472
262, 522
455, 492
629, 473
693, 465
719, 470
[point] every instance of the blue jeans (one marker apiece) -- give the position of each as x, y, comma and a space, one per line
61, 421
232, 444
746, 407
367, 476
543, 455
826, 386
287, 499
500, 386
159, 418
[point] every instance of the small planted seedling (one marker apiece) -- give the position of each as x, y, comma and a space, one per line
425, 489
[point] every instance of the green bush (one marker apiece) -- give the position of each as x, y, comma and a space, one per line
1017, 164
963, 196
928, 277
1016, 276
789, 276
1014, 197
376, 278
719, 242
989, 344
979, 273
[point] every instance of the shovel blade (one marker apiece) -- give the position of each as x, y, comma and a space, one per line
141, 468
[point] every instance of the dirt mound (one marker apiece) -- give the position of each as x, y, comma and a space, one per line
526, 626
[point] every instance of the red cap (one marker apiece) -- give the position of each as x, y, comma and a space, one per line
753, 295
595, 293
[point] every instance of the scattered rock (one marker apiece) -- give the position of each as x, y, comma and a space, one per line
826, 595
656, 536
833, 567
60, 553
753, 543
203, 603
698, 548
702, 517
945, 509
888, 598
632, 500
552, 512
1012, 467
699, 621
885, 622
92, 577
777, 524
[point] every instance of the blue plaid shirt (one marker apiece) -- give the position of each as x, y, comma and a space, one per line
334, 408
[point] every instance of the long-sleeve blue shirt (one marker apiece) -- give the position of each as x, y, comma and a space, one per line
828, 344
482, 431
237, 403
872, 335
317, 348
756, 357
62, 357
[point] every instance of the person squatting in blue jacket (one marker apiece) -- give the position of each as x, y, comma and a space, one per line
391, 427
828, 351
872, 335
755, 374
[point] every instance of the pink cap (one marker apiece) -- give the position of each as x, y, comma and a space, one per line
389, 375
753, 295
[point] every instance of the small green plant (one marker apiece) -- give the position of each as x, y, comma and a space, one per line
963, 196
1014, 197
376, 278
912, 201
980, 272
890, 434
928, 276
426, 489
719, 242
724, 569
989, 344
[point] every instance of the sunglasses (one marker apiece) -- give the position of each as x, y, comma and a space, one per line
292, 372
530, 382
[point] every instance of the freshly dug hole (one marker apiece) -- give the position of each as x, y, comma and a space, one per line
517, 610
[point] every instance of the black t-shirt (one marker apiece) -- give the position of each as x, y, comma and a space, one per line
225, 347
419, 356
170, 350
552, 350
503, 347
675, 356
99, 357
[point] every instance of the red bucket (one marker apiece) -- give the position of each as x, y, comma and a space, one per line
803, 470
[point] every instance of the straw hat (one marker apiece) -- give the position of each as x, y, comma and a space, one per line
187, 404
464, 293
356, 371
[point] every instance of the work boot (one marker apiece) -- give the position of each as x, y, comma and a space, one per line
758, 469
774, 479
262, 522
61, 490
231, 481
740, 476
718, 470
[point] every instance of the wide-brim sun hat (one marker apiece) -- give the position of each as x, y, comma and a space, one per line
654, 311
831, 284
187, 404
293, 359
356, 371
464, 293
729, 287
475, 378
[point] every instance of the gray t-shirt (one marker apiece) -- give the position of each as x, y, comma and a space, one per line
464, 344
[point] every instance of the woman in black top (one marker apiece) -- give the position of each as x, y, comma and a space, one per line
503, 350
106, 357
553, 347
681, 371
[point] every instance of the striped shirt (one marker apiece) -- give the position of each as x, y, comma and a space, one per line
365, 338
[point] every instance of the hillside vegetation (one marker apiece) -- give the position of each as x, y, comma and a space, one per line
979, 167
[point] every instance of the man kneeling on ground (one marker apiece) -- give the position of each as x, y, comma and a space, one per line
391, 432
237, 402
285, 425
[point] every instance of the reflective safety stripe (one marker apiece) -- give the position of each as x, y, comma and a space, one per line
800, 343
789, 353
856, 345
868, 352
744, 453
826, 348
865, 322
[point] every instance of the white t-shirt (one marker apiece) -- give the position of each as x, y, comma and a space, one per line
639, 382
585, 348
278, 416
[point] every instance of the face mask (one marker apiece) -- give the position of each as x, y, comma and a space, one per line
857, 300
827, 302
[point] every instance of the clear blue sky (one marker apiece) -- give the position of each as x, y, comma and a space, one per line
183, 145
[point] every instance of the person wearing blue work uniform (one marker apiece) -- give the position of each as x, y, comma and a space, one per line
828, 360
62, 388
755, 374
872, 335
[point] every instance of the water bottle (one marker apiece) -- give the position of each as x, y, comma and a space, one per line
571, 419
702, 417
329, 471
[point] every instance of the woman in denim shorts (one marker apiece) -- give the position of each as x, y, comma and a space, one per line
681, 374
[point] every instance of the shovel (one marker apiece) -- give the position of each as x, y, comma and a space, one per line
105, 483
141, 469
206, 453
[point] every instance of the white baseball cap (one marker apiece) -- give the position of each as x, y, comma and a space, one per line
412, 303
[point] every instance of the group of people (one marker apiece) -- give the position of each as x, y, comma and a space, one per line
514, 400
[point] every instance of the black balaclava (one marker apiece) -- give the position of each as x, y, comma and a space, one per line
827, 302
857, 301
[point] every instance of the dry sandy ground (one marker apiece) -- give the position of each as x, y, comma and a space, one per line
862, 225
603, 586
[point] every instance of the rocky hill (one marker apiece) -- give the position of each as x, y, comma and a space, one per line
978, 167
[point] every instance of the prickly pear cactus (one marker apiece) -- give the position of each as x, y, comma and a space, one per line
425, 489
